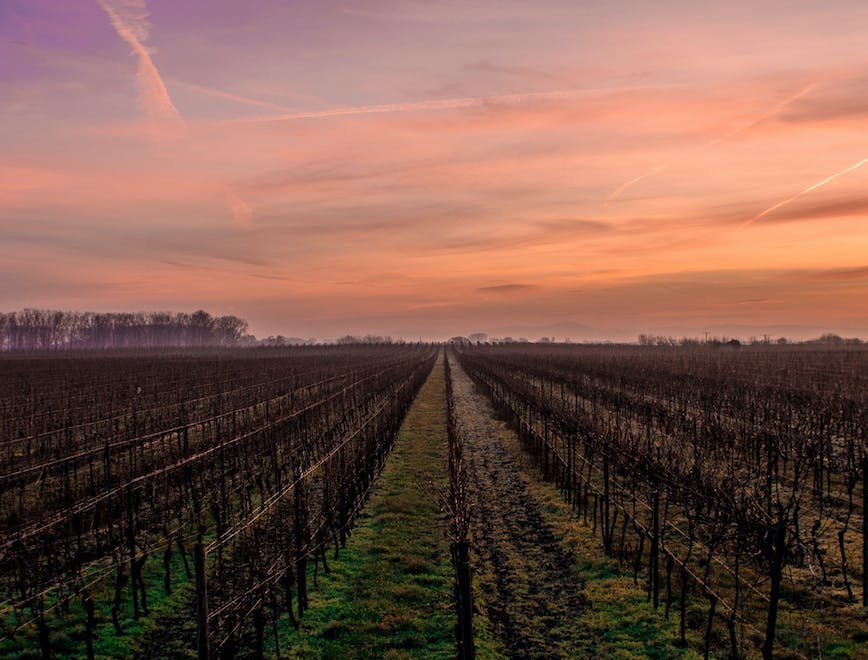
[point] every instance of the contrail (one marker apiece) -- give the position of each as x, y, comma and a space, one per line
131, 15
768, 114
130, 20
440, 104
810, 188
227, 95
617, 192
737, 131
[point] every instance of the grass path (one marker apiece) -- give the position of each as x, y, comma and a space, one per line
389, 593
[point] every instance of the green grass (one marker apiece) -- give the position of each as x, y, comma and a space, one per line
389, 593
617, 613
626, 625
68, 627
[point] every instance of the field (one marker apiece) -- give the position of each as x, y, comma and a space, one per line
514, 500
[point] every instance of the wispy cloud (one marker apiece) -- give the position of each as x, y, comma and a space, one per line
129, 18
242, 215
568, 226
837, 274
835, 208
529, 73
840, 99
617, 192
314, 159
507, 288
774, 111
768, 114
811, 188
419, 106
229, 96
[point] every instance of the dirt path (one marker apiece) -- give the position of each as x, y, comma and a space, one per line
525, 581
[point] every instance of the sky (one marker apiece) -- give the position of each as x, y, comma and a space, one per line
583, 169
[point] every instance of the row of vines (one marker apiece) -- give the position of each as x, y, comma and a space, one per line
459, 518
735, 478
247, 468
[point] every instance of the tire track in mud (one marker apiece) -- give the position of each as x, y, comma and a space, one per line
532, 595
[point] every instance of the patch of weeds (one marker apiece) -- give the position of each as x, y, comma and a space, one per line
334, 629
417, 565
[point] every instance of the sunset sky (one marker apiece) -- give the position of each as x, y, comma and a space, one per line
587, 169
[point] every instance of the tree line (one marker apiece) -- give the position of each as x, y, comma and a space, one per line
43, 329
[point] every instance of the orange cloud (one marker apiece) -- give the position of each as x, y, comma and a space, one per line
340, 188
837, 274
507, 288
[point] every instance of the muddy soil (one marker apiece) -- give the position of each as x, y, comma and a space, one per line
529, 589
